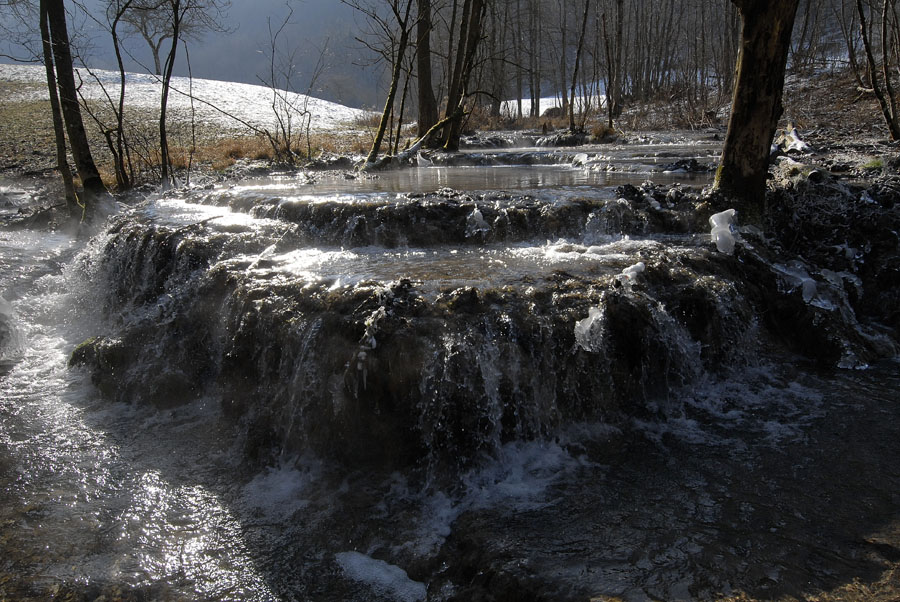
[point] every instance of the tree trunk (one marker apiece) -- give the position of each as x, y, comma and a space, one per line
756, 103
454, 89
468, 48
428, 110
885, 97
563, 80
395, 85
71, 111
578, 51
59, 128
123, 176
164, 158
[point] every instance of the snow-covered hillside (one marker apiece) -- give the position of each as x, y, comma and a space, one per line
214, 100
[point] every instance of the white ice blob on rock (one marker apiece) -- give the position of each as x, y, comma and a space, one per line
721, 231
630, 273
796, 276
589, 331
475, 223
388, 582
423, 161
580, 159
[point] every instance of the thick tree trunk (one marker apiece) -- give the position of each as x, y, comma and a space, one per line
68, 100
428, 109
756, 103
59, 128
468, 48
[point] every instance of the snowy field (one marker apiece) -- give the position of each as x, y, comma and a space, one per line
510, 107
224, 103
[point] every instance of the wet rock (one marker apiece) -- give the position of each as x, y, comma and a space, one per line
833, 226
486, 141
426, 220
331, 162
108, 360
688, 166
563, 139
414, 373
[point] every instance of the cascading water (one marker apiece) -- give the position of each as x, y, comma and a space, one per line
278, 392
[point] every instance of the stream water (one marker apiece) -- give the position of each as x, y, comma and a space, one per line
366, 390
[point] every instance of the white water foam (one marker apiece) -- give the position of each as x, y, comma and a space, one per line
278, 493
721, 411
386, 580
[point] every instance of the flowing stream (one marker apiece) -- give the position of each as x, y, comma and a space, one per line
416, 386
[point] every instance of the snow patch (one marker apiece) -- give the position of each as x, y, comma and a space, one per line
224, 103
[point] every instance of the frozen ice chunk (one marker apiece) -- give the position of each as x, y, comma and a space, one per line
797, 276
423, 161
388, 582
630, 273
724, 239
580, 159
475, 223
723, 218
589, 331
809, 289
721, 231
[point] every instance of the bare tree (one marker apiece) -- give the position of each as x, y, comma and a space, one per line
184, 18
395, 28
464, 63
153, 20
62, 162
880, 79
428, 109
756, 105
64, 82
290, 109
114, 134
578, 53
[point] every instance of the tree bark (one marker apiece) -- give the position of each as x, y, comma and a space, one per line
428, 110
395, 83
578, 51
469, 38
59, 128
885, 97
756, 102
91, 182
164, 158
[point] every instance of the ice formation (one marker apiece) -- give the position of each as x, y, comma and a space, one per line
589, 331
475, 223
797, 276
630, 273
721, 231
